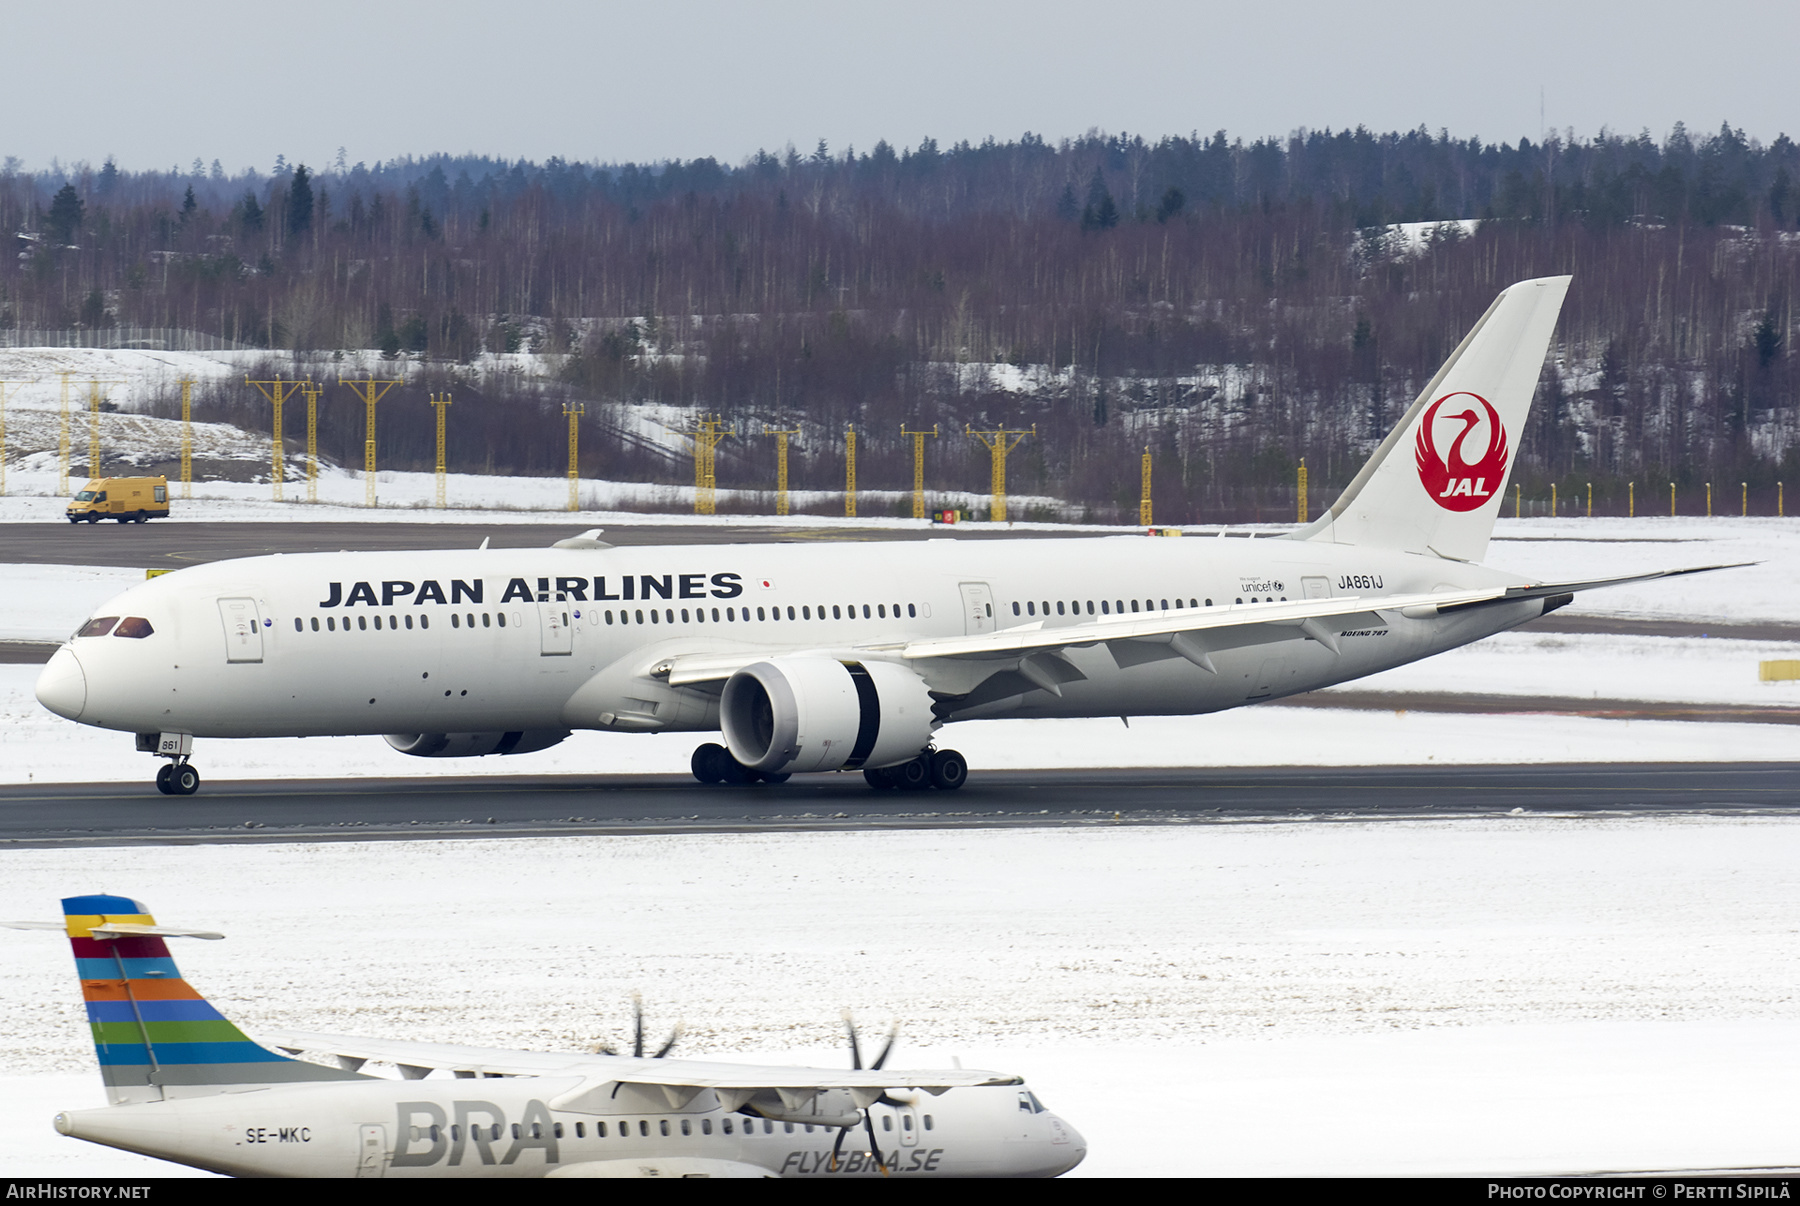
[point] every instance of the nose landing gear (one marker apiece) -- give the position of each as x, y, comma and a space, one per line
178, 778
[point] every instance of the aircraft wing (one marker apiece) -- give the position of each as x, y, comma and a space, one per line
1304, 614
1184, 628
416, 1059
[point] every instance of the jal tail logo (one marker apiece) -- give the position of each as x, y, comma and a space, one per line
1454, 482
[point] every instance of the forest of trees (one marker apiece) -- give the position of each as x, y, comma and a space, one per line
1234, 307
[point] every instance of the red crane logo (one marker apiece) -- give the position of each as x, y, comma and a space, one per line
1454, 482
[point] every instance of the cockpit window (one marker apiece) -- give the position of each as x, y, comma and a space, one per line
98, 626
134, 626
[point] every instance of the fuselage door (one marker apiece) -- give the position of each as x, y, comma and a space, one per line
908, 1122
243, 630
371, 1151
556, 627
978, 607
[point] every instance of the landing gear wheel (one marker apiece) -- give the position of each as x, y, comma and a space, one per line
709, 761
912, 776
949, 771
163, 777
733, 772
881, 779
184, 780
770, 776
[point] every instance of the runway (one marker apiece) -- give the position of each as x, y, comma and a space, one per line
123, 814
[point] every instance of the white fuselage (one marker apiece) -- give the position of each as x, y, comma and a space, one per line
469, 641
510, 1127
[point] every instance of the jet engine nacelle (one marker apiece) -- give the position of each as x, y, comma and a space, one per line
818, 713
474, 745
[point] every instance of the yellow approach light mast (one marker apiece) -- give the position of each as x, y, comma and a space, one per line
278, 392
574, 412
370, 391
918, 439
781, 467
187, 437
706, 433
312, 393
1300, 491
999, 444
94, 396
1144, 511
850, 472
441, 402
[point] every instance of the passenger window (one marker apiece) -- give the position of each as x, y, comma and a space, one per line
580, 1130
409, 621
377, 623
687, 1127
910, 611
500, 618
806, 613
486, 620
715, 612
1059, 607
881, 611
424, 621
790, 613
298, 627
315, 624
1209, 602
599, 1130
759, 613
1015, 608
731, 614
1104, 610
1090, 604
609, 617
1134, 605
654, 618
866, 610
330, 624
362, 623
639, 615
662, 1124
835, 613
455, 620
887, 1122
725, 1125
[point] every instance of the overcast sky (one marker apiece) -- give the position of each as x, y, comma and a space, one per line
159, 85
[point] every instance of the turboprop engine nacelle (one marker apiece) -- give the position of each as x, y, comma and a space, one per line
474, 745
817, 713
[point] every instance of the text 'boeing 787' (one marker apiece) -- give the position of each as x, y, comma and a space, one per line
847, 657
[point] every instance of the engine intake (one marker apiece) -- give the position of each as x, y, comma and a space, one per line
795, 714
475, 745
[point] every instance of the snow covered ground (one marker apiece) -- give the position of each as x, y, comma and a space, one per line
1508, 995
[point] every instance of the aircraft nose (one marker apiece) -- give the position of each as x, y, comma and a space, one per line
62, 687
1076, 1149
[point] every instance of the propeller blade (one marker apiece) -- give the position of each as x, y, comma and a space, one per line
887, 1048
874, 1147
637, 1024
674, 1035
842, 1131
855, 1047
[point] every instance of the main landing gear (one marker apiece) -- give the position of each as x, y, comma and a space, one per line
945, 770
178, 778
713, 763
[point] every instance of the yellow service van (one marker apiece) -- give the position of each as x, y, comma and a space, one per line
126, 499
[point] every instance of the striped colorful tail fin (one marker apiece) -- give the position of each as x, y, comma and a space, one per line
155, 1036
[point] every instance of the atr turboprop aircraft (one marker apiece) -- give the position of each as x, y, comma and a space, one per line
187, 1085
847, 657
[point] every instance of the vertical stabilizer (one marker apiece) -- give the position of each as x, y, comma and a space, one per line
155, 1036
1437, 482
